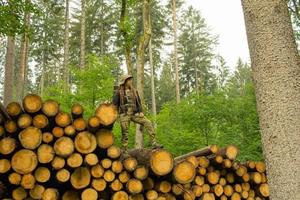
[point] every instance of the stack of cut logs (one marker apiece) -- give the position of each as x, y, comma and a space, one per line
48, 154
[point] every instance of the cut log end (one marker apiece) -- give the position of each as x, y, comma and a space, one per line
134, 186
130, 164
264, 190
40, 121
89, 194
7, 145
24, 161
107, 114
50, 108
75, 160
32, 103
45, 153
80, 178
120, 195
50, 194
64, 146
99, 184
13, 109
184, 172
85, 142
77, 110
24, 121
231, 152
42, 174
161, 162
37, 192
4, 166
31, 137
105, 138
63, 119
63, 175
28, 181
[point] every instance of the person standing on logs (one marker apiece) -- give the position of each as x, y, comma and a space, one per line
128, 102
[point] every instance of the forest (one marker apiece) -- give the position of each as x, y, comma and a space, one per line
75, 51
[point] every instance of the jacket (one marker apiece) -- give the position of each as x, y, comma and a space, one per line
120, 101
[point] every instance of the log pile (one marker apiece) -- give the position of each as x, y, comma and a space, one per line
46, 153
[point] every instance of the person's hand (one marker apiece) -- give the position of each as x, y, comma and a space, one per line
142, 114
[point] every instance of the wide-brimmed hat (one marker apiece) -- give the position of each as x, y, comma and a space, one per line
124, 78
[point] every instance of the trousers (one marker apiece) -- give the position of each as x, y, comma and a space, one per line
125, 120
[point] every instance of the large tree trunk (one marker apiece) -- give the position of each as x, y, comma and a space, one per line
127, 43
175, 51
82, 35
23, 60
276, 70
9, 70
143, 43
66, 48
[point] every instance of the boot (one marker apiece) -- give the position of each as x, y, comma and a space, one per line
156, 145
124, 154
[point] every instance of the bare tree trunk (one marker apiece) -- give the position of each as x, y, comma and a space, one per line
44, 56
276, 69
152, 82
196, 79
66, 48
175, 51
9, 70
143, 43
82, 35
42, 81
197, 88
26, 68
101, 29
23, 60
127, 43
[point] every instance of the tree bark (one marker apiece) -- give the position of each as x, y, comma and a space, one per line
23, 60
175, 51
143, 43
66, 48
82, 35
275, 63
9, 70
152, 83
127, 42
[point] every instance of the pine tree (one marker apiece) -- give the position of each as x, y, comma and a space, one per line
82, 35
222, 72
47, 43
196, 53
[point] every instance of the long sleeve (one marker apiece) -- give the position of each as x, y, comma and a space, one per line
116, 98
138, 103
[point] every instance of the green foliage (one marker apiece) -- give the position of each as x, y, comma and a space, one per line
12, 16
90, 86
195, 53
101, 27
165, 85
220, 118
